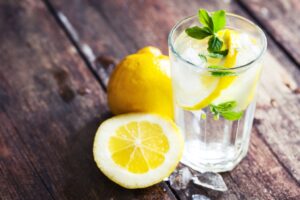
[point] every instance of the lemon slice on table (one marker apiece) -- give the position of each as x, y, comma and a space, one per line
202, 88
137, 150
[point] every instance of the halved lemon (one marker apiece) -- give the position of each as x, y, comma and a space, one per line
137, 150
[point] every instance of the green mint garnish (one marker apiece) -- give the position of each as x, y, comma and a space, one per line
219, 20
212, 23
226, 111
214, 44
197, 32
206, 20
218, 71
218, 54
203, 57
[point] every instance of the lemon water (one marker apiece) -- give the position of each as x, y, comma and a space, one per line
215, 142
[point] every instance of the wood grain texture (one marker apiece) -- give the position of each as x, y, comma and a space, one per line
116, 28
281, 19
50, 108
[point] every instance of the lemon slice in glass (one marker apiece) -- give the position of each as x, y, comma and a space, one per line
200, 89
242, 90
137, 150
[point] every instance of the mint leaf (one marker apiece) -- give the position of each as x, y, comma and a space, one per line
197, 32
219, 20
203, 57
226, 111
229, 105
220, 71
218, 54
214, 44
206, 19
211, 24
221, 74
232, 116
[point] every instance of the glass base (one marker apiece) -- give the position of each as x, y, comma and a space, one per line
214, 145
223, 164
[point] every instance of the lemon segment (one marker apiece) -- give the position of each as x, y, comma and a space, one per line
137, 150
242, 87
203, 88
242, 90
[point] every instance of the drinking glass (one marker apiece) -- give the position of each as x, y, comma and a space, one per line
213, 143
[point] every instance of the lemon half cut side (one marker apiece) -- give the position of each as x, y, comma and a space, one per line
137, 150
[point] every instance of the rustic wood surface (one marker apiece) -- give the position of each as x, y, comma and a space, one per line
55, 61
51, 106
280, 18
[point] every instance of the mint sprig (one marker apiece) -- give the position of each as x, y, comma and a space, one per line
220, 71
197, 32
214, 44
206, 20
226, 111
212, 23
202, 57
219, 20
218, 54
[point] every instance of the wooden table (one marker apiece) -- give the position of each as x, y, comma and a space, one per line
55, 60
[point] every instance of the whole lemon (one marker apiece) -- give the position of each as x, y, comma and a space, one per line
141, 83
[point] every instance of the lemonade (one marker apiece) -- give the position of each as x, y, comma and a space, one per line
215, 74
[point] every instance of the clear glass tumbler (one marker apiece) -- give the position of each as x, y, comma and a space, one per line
214, 141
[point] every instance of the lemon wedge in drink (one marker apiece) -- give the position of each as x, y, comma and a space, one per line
137, 150
242, 88
202, 88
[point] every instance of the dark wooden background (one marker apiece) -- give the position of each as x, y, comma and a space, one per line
55, 60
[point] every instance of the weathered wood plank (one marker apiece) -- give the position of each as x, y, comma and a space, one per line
131, 27
16, 171
281, 19
50, 108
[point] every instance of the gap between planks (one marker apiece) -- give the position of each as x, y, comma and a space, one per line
30, 163
71, 34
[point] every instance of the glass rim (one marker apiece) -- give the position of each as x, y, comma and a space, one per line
262, 51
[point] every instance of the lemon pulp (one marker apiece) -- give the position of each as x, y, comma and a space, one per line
137, 150
139, 146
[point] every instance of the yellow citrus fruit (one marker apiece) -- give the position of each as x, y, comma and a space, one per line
137, 150
141, 83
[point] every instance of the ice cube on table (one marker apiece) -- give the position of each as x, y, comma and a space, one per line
199, 197
180, 179
210, 180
